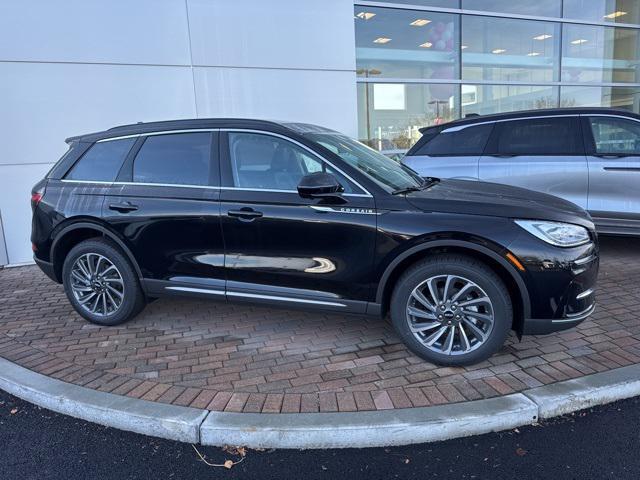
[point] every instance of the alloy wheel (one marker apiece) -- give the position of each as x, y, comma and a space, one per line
450, 314
97, 284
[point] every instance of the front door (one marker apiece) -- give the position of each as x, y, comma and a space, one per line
282, 247
166, 207
613, 145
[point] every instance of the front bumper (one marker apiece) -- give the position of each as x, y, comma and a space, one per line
538, 326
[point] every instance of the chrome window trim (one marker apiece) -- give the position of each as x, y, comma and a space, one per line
457, 81
315, 154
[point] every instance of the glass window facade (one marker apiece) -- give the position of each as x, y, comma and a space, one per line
418, 65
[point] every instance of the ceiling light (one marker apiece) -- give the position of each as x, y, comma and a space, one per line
382, 40
579, 41
533, 54
426, 45
498, 50
544, 36
420, 22
462, 47
366, 15
615, 14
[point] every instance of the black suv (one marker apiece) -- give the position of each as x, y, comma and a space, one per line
299, 215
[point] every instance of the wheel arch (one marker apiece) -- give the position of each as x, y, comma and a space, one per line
508, 274
77, 231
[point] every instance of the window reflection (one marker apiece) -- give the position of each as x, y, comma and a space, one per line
599, 54
388, 120
503, 49
618, 11
406, 43
541, 8
487, 99
626, 98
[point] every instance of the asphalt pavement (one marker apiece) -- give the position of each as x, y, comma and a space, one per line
602, 442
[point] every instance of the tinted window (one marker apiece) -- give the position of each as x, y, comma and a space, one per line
182, 159
538, 136
268, 162
102, 161
615, 135
468, 141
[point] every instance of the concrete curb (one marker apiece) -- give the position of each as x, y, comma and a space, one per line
580, 393
124, 413
320, 430
368, 429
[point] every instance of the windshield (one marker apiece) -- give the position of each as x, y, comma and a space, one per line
390, 175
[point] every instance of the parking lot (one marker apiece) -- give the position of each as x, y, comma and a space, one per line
239, 358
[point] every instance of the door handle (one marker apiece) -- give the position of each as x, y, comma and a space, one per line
246, 214
123, 207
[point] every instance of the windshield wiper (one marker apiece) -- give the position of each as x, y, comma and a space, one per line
406, 190
428, 181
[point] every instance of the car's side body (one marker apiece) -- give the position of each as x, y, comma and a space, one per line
550, 151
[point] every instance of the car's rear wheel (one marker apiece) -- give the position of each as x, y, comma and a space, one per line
101, 283
452, 310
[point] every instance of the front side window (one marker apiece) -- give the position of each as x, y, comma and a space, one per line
615, 136
273, 163
178, 159
467, 141
537, 136
102, 162
387, 173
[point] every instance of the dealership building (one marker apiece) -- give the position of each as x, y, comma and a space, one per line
377, 71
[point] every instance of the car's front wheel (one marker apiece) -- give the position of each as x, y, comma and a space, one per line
101, 283
452, 310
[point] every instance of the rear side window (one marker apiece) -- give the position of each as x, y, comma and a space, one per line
102, 161
179, 159
615, 136
466, 141
537, 136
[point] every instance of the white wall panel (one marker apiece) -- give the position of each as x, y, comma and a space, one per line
116, 31
322, 97
315, 34
43, 104
15, 193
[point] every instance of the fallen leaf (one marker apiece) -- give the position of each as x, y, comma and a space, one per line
228, 464
521, 452
406, 460
14, 411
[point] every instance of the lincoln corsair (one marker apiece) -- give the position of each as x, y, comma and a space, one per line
589, 156
301, 216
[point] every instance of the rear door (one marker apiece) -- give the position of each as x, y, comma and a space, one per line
613, 148
166, 206
452, 153
545, 154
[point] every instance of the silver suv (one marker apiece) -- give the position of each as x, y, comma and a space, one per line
589, 156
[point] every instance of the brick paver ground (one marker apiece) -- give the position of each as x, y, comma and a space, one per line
239, 358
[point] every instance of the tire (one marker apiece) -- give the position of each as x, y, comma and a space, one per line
450, 327
117, 296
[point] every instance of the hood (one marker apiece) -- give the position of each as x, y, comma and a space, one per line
493, 199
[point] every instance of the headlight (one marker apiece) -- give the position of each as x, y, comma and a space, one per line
559, 234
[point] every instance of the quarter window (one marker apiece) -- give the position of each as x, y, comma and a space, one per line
537, 136
102, 161
273, 163
180, 159
615, 136
468, 141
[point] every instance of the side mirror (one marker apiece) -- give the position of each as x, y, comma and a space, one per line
319, 185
